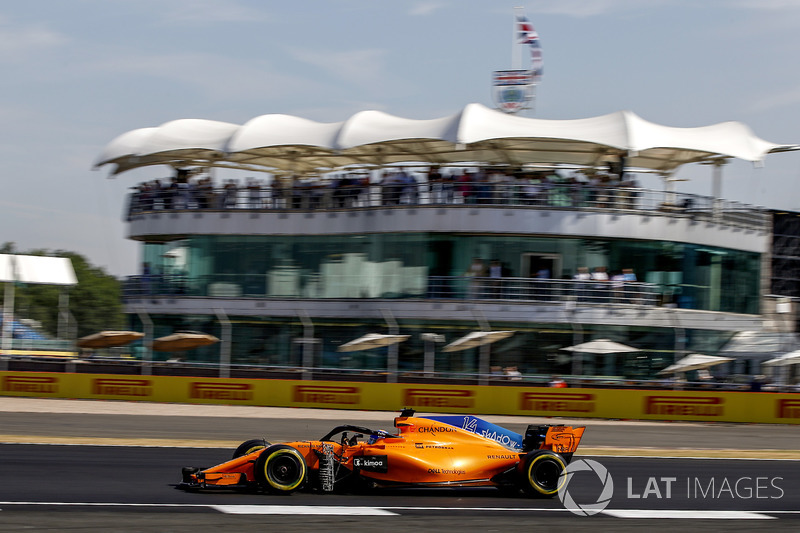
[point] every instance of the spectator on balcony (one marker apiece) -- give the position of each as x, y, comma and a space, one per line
630, 191
181, 189
600, 286
512, 373
254, 193
617, 285
448, 187
410, 192
496, 273
229, 192
542, 284
391, 187
483, 189
435, 185
499, 183
465, 187
583, 277
532, 190
167, 193
476, 272
363, 190
631, 291
205, 193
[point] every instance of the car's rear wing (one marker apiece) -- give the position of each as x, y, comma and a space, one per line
560, 439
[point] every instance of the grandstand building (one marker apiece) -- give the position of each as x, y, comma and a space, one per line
288, 239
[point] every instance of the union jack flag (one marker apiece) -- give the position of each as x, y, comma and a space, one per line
526, 34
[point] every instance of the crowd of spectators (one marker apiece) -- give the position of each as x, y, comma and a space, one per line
190, 189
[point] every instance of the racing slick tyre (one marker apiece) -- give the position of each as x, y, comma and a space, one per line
250, 446
281, 469
540, 473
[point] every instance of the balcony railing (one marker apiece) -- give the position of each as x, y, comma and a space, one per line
481, 194
519, 290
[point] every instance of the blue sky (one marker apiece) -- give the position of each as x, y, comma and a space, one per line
75, 74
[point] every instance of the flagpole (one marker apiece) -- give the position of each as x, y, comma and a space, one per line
516, 50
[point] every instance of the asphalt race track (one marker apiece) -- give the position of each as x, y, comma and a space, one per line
56, 487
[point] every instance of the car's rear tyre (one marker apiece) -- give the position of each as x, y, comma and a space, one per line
250, 446
540, 473
281, 469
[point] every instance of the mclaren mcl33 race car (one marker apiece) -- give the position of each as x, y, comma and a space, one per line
429, 451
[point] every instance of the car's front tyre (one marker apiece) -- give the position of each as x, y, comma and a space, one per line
281, 469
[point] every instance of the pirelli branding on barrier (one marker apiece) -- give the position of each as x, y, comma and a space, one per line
122, 387
30, 384
669, 406
220, 391
717, 406
449, 398
788, 408
327, 394
557, 402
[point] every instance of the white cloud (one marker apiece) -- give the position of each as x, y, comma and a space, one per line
16, 42
203, 12
591, 8
216, 75
769, 5
780, 100
366, 66
425, 8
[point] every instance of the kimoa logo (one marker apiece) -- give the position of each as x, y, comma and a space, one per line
586, 509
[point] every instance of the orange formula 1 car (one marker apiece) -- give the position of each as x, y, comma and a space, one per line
433, 451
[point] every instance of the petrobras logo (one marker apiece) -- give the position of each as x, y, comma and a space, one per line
202, 390
30, 384
326, 394
788, 408
122, 387
555, 402
457, 398
684, 405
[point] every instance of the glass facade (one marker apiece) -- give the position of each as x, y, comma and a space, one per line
402, 264
534, 348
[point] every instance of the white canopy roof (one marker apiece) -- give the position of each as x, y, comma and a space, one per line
475, 134
695, 361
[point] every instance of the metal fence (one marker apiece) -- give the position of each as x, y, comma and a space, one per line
521, 290
126, 366
474, 194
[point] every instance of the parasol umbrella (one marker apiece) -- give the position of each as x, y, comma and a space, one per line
791, 358
371, 340
476, 338
108, 339
601, 346
183, 340
695, 361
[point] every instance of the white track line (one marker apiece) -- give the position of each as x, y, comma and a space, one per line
685, 514
388, 510
337, 510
